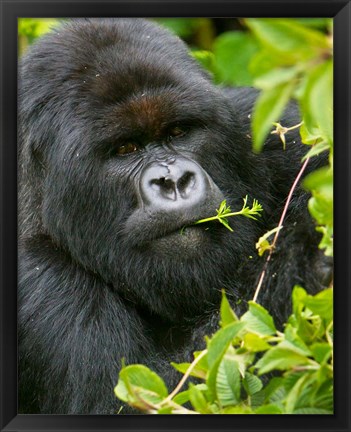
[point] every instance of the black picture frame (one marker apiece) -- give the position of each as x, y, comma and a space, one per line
340, 10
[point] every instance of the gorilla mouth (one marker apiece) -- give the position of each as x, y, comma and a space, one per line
183, 235
187, 241
181, 231
188, 228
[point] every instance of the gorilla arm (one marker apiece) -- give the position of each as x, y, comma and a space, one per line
73, 332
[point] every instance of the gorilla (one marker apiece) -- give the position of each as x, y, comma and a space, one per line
123, 141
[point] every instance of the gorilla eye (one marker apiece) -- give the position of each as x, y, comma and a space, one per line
127, 148
176, 131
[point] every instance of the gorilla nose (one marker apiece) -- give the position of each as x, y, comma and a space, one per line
180, 184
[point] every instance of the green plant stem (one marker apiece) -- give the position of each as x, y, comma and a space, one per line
280, 224
185, 377
218, 217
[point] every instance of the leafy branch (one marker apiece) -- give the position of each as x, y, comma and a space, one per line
225, 211
236, 357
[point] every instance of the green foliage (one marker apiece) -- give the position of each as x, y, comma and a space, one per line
301, 66
231, 371
298, 63
268, 108
138, 386
232, 54
321, 205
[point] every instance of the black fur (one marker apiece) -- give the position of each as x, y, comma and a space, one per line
105, 272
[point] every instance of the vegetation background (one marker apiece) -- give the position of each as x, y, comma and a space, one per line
286, 59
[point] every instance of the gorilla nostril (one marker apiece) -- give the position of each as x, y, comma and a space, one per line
166, 186
162, 183
186, 183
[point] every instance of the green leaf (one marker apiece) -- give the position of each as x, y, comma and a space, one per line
320, 205
217, 346
197, 371
280, 358
228, 382
294, 394
220, 342
223, 208
254, 343
321, 209
321, 352
181, 367
233, 52
227, 314
165, 410
327, 239
322, 23
321, 304
237, 410
269, 409
258, 320
312, 410
298, 299
307, 330
317, 149
317, 102
252, 384
321, 181
276, 77
224, 222
263, 62
310, 136
268, 108
294, 341
181, 398
324, 397
274, 390
291, 378
139, 386
288, 38
198, 400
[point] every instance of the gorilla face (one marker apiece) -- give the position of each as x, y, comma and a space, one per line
132, 143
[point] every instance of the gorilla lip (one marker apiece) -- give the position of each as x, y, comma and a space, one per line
182, 230
186, 242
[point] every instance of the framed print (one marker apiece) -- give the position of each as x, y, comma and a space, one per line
169, 243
